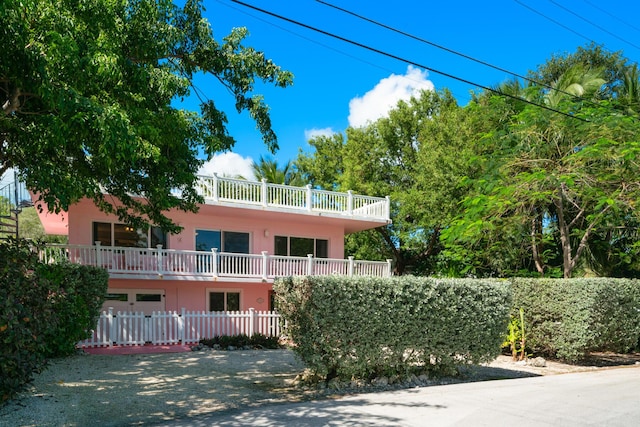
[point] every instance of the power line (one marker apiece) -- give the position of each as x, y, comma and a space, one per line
407, 61
593, 23
556, 22
315, 41
612, 15
479, 61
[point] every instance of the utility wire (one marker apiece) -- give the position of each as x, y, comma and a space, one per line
479, 61
556, 22
593, 23
407, 61
612, 15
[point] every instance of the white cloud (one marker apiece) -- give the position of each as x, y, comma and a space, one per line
312, 133
228, 164
385, 95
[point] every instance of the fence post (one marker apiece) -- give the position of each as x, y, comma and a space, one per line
251, 321
214, 262
310, 265
110, 323
387, 208
264, 194
265, 265
388, 268
351, 266
350, 202
181, 325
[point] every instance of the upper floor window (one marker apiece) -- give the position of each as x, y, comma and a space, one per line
301, 246
224, 241
109, 234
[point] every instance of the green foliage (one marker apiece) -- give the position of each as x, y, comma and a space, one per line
44, 311
90, 94
365, 327
76, 294
570, 318
242, 340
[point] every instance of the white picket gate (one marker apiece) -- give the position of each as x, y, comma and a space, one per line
170, 327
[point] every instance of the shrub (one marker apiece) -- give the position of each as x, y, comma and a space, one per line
242, 340
44, 311
77, 293
363, 327
568, 318
25, 315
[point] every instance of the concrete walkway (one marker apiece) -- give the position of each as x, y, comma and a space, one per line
607, 397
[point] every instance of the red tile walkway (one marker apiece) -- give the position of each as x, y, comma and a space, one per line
138, 349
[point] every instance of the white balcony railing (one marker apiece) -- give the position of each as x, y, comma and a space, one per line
217, 189
151, 263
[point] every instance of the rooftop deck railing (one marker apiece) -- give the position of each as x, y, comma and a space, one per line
150, 263
217, 189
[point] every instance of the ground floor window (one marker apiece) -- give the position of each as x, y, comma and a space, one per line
301, 246
224, 301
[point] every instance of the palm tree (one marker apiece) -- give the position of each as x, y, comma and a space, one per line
268, 169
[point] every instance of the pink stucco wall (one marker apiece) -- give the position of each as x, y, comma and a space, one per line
262, 226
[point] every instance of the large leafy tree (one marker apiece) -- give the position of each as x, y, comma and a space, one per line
88, 91
567, 184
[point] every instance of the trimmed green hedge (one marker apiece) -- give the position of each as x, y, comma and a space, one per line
44, 311
363, 327
568, 318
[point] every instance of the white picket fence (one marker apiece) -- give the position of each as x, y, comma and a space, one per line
171, 327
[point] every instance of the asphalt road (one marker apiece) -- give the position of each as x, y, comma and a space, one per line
607, 397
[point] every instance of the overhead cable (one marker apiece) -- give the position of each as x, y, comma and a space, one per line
479, 61
407, 61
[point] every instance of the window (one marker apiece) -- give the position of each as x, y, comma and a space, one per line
224, 301
224, 241
109, 234
301, 246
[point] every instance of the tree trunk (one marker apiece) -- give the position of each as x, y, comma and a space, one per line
565, 241
536, 232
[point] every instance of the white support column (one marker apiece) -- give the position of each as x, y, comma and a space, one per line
351, 266
265, 265
214, 262
350, 202
110, 322
389, 271
310, 265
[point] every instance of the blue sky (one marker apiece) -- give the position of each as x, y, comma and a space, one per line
337, 85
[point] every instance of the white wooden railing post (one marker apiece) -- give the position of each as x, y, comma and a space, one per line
251, 321
265, 265
351, 266
310, 265
159, 258
215, 187
387, 208
309, 198
264, 195
214, 262
98, 254
388, 267
350, 202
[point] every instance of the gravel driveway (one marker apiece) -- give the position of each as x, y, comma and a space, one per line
147, 389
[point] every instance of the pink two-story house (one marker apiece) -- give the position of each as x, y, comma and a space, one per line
228, 254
